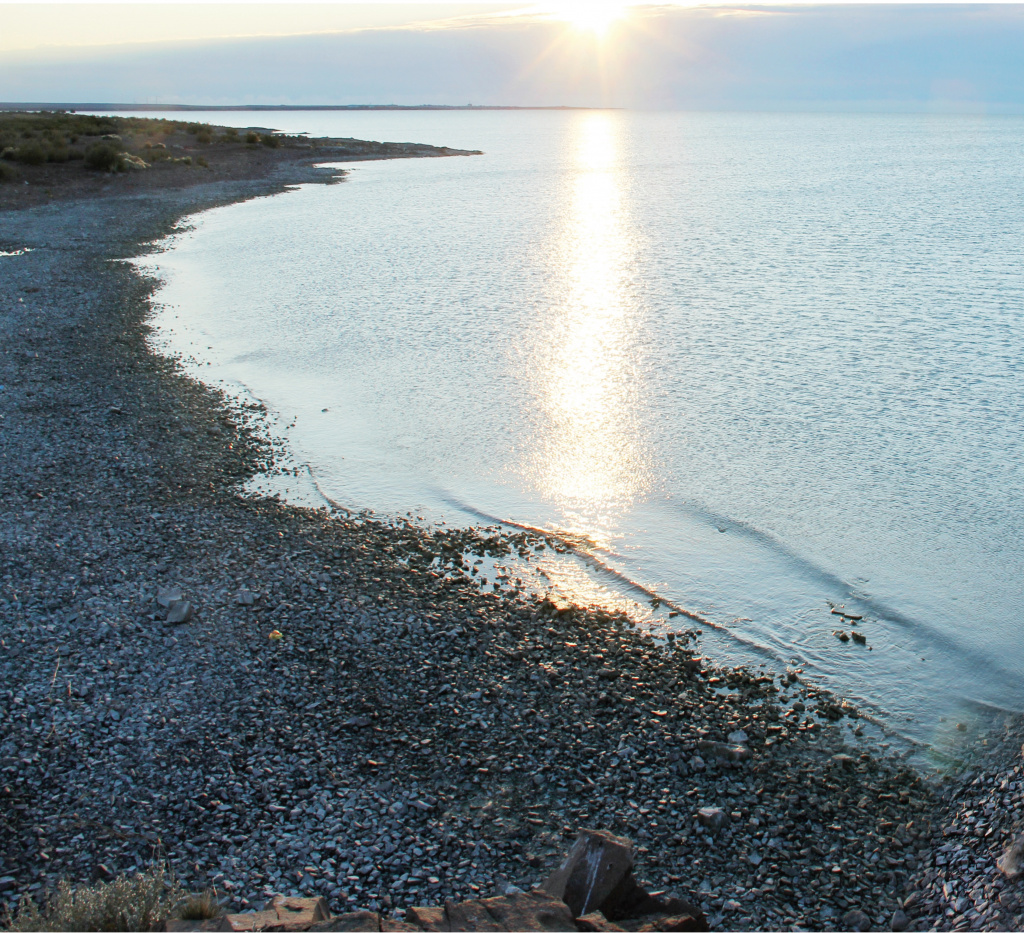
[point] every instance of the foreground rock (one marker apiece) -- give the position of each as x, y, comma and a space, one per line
591, 890
597, 878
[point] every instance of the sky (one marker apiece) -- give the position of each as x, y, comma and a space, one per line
947, 57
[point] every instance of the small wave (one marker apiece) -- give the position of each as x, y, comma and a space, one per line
846, 593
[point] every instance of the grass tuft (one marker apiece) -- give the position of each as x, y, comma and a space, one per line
199, 907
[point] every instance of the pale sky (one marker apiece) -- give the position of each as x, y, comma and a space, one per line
814, 56
35, 25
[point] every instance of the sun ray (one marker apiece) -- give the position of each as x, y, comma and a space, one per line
595, 16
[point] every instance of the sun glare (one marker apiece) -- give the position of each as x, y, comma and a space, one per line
594, 16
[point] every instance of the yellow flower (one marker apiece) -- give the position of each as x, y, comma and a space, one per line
276, 635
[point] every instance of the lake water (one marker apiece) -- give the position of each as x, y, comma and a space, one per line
766, 364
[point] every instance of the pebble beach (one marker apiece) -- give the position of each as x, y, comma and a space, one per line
276, 699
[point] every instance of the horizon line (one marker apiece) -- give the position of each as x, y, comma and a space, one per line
72, 106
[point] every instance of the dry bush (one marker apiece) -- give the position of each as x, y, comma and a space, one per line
130, 902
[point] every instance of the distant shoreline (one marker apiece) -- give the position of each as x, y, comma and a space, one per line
190, 108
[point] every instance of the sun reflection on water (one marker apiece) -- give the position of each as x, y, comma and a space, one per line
590, 459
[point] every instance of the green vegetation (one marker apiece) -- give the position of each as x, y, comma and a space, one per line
104, 157
130, 902
111, 143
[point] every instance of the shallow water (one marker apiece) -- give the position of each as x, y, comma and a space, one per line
764, 363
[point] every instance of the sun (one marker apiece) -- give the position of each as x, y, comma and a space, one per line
594, 16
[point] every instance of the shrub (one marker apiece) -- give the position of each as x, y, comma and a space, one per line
204, 136
270, 140
7, 172
103, 157
31, 153
230, 135
58, 154
201, 160
252, 138
137, 902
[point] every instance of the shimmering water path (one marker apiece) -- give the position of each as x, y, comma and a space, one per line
765, 364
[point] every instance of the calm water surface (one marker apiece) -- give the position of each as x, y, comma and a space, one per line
765, 363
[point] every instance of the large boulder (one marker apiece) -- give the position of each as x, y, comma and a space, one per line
597, 864
597, 877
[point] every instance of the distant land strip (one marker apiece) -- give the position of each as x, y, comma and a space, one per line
263, 107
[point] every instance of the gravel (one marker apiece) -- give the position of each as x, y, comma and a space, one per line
959, 886
341, 710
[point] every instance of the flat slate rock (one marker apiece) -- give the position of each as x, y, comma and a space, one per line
283, 915
358, 920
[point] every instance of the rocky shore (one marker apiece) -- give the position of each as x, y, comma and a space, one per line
288, 701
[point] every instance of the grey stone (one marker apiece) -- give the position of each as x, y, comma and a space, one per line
179, 612
899, 921
167, 595
856, 920
712, 818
